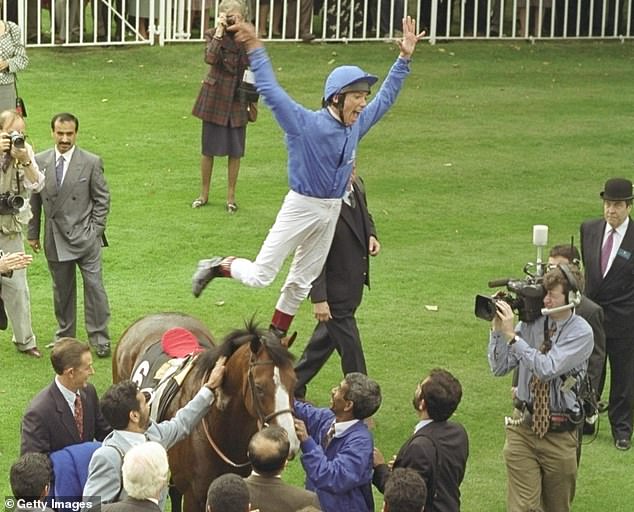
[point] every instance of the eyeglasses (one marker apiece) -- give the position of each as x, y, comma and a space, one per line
148, 393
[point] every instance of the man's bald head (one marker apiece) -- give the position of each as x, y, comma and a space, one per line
268, 450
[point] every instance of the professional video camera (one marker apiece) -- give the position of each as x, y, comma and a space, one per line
525, 296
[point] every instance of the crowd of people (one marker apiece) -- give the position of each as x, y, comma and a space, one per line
325, 222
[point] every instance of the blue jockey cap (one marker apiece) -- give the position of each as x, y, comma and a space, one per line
347, 78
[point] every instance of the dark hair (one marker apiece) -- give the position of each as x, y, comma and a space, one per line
228, 493
365, 394
405, 491
29, 475
268, 450
65, 117
568, 251
67, 353
442, 393
117, 403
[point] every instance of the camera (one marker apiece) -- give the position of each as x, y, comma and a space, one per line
525, 296
15, 139
246, 90
527, 300
10, 204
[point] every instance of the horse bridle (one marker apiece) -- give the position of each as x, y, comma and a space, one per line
263, 419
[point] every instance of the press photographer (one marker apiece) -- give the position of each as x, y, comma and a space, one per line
19, 176
552, 354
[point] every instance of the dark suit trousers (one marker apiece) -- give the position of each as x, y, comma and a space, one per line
621, 357
340, 334
96, 309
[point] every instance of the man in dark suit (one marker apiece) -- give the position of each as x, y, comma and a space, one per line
30, 478
67, 411
607, 246
76, 202
268, 454
145, 473
228, 493
337, 292
438, 449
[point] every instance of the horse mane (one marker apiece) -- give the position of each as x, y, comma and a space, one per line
280, 355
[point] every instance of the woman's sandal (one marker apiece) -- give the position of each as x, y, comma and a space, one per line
197, 203
231, 207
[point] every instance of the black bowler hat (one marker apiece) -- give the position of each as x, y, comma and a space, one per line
617, 189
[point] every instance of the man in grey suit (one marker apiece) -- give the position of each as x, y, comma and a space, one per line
76, 202
607, 247
128, 411
268, 454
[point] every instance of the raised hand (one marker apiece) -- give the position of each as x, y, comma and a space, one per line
407, 45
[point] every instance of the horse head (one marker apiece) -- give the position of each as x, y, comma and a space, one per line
259, 371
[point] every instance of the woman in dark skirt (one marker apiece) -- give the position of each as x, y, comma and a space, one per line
222, 110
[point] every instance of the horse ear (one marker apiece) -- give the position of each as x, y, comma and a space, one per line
287, 341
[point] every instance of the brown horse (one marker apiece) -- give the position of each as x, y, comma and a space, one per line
257, 389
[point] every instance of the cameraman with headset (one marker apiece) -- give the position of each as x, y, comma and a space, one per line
19, 176
552, 354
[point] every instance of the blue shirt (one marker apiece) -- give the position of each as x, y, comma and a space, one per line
341, 473
321, 150
571, 348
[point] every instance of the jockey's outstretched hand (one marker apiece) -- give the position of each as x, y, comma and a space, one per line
217, 374
407, 45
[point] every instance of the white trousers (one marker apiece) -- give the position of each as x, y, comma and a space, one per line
15, 294
303, 224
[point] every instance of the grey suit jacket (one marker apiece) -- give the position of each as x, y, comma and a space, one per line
104, 471
271, 494
75, 214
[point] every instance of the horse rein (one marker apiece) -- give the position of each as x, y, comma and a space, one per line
263, 420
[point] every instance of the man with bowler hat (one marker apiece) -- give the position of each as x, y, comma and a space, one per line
607, 249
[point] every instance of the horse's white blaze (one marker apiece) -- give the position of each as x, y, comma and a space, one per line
285, 420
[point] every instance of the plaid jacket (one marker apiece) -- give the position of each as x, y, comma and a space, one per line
218, 101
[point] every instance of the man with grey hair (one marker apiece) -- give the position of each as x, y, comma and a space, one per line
337, 445
268, 454
145, 473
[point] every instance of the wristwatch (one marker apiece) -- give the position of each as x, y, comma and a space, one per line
513, 339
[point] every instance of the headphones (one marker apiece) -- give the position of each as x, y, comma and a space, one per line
574, 295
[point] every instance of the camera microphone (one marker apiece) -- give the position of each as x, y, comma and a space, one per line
496, 283
550, 311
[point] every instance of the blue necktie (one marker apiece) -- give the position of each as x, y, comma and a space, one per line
59, 171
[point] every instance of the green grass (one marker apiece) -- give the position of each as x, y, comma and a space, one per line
486, 140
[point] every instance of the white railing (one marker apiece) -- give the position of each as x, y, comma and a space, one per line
108, 22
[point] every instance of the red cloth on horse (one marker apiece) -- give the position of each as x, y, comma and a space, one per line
179, 342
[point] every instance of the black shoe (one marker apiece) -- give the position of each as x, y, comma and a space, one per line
623, 444
206, 271
103, 350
